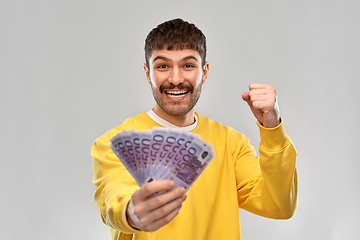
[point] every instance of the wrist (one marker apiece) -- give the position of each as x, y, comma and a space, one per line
132, 219
271, 124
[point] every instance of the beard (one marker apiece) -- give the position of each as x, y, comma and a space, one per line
176, 108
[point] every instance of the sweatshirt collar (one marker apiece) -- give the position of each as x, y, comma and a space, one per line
167, 124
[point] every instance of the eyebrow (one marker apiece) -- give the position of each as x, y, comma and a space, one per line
188, 58
161, 58
168, 60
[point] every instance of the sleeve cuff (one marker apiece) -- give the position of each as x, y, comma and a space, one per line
133, 217
126, 226
273, 138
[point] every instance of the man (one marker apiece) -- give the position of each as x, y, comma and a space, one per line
176, 68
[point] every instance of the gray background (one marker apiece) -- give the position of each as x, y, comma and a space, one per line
71, 70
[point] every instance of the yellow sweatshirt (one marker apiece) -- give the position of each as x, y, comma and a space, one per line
236, 177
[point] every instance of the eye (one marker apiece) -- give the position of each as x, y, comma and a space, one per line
162, 66
188, 66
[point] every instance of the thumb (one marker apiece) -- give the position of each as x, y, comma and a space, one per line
245, 96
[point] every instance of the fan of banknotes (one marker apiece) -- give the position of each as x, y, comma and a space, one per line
163, 153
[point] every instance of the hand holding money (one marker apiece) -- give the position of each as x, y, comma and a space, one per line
165, 163
262, 100
154, 211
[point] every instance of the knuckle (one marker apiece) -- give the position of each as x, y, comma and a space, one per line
150, 229
147, 188
142, 221
163, 211
137, 210
167, 219
159, 201
272, 89
135, 194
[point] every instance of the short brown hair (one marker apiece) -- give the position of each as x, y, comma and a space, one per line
175, 34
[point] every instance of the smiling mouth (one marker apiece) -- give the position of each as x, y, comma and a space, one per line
176, 93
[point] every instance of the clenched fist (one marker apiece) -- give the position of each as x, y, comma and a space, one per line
262, 99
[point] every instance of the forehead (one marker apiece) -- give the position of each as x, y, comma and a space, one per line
174, 55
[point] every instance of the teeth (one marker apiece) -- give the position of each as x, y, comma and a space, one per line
177, 92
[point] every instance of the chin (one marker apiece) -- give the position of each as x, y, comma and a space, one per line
177, 112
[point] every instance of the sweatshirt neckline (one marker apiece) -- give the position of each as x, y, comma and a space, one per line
166, 124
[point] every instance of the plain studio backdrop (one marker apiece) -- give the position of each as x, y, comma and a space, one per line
71, 70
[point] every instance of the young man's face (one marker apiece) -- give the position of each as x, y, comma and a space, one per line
176, 77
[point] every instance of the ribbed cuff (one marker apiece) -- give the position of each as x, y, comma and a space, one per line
272, 138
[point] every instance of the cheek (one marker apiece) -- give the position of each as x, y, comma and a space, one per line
193, 77
154, 80
157, 79
199, 78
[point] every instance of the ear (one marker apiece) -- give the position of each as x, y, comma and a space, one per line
206, 69
147, 73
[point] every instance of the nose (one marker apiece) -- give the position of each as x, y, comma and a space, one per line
176, 76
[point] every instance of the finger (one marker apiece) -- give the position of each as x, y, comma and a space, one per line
163, 221
260, 86
149, 217
168, 207
260, 105
143, 208
150, 188
262, 91
164, 198
269, 98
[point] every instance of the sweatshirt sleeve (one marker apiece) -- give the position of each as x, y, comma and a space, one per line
267, 185
114, 186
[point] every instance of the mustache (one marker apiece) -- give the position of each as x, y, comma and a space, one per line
180, 86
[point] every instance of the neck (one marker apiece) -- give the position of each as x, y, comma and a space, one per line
180, 121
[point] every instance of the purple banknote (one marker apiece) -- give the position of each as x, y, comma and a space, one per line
163, 153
